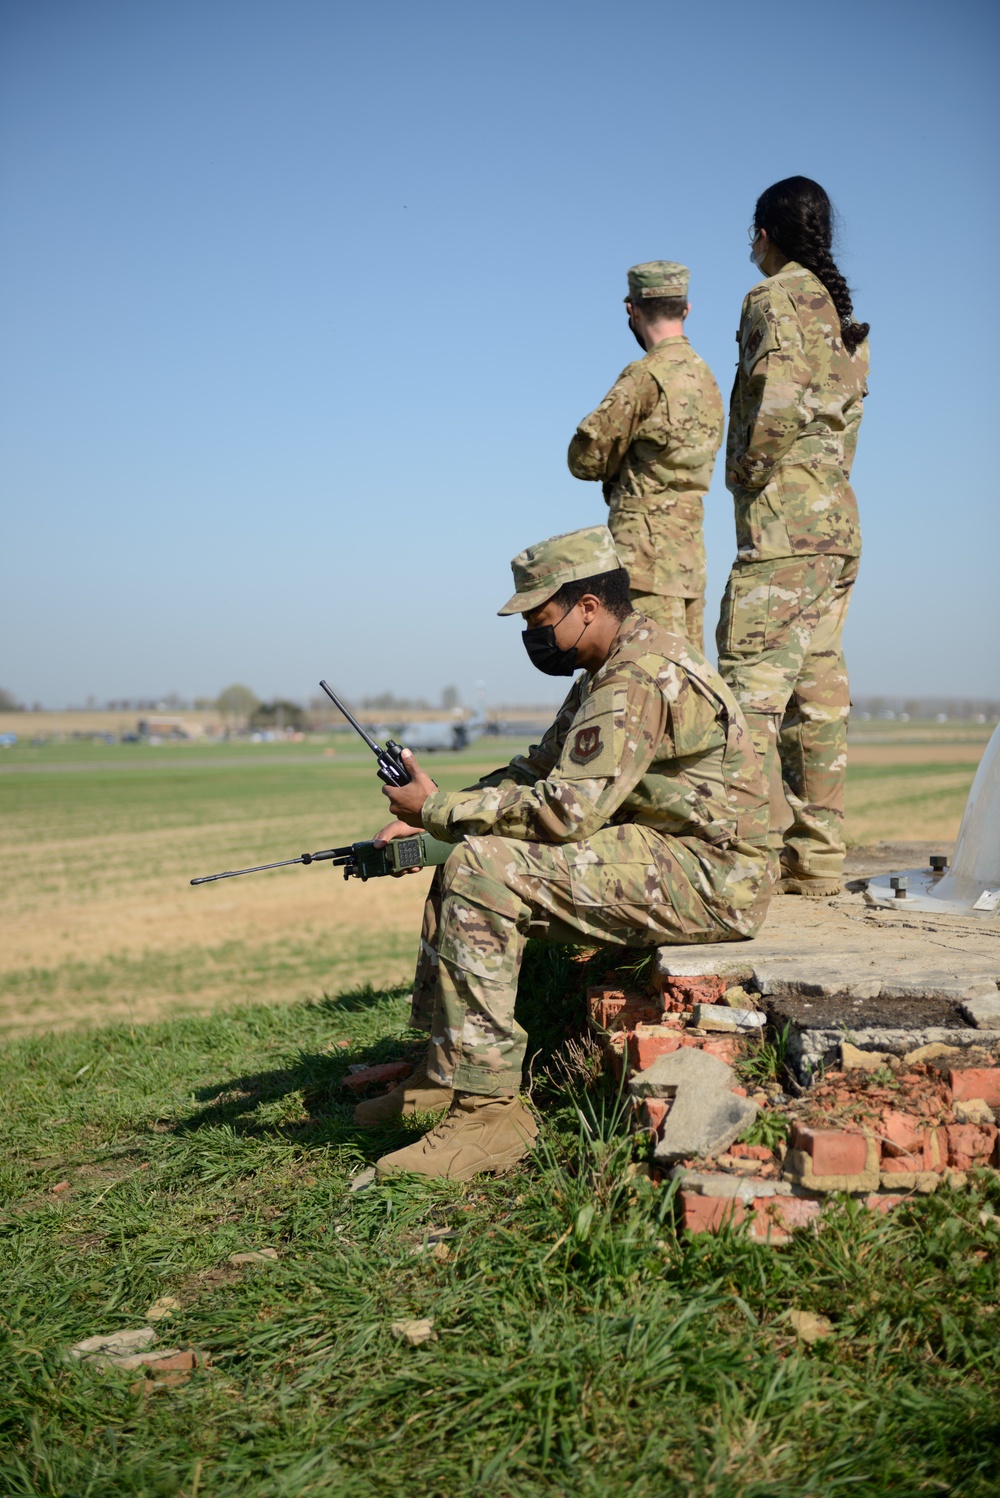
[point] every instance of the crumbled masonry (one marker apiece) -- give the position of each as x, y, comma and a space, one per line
889, 1109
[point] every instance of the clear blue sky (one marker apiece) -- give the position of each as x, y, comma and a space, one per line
302, 301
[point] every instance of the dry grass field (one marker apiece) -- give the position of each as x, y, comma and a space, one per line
101, 924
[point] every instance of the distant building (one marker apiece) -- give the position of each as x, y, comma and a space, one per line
159, 727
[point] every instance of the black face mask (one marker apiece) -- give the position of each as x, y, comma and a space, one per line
546, 654
640, 341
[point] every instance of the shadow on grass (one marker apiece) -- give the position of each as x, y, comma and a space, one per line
550, 1006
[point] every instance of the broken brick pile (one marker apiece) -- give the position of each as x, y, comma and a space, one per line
880, 1128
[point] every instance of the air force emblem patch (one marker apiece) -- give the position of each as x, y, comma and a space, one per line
587, 744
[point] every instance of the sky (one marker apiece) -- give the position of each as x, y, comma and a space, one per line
301, 302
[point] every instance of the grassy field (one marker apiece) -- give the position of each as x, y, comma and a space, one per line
581, 1346
100, 841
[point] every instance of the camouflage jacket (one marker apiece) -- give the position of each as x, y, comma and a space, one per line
652, 442
793, 422
653, 737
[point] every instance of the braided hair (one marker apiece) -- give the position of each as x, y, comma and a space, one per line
797, 215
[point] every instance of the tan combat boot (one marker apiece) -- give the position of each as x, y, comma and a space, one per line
415, 1094
477, 1134
813, 886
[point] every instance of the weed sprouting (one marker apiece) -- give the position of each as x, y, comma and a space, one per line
769, 1129
763, 1061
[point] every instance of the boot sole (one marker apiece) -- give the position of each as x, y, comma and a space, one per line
822, 890
498, 1165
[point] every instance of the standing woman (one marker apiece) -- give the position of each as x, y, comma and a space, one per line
793, 428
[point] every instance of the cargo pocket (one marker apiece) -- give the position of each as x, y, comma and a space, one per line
635, 544
479, 926
743, 619
614, 898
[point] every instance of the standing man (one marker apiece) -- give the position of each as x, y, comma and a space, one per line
640, 819
652, 443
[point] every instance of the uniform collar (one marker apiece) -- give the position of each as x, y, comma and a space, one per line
628, 625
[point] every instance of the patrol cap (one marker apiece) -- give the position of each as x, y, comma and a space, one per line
541, 570
657, 278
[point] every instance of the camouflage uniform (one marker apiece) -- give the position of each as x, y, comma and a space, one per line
793, 429
652, 443
640, 819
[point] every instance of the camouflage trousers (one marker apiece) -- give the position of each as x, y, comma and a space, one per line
682, 616
780, 653
628, 886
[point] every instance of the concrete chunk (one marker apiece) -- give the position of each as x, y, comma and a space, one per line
936, 983
114, 1344
705, 1114
733, 961
983, 1012
714, 1183
689, 1065
725, 1018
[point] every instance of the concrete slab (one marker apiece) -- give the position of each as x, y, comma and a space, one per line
842, 946
870, 972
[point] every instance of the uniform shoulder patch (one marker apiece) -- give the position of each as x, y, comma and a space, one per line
593, 744
759, 338
586, 744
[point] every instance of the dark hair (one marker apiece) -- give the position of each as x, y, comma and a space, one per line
797, 215
672, 307
610, 587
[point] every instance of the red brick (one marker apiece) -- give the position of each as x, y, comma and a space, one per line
388, 1071
976, 1081
834, 1152
176, 1361
970, 1145
684, 993
644, 1049
775, 1217
620, 1009
725, 1047
707, 1214
903, 1132
904, 1164
652, 1112
935, 1152
750, 1151
878, 1203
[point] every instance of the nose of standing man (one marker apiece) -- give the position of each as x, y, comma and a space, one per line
652, 444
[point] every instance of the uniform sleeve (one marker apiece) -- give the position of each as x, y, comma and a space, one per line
852, 425
525, 769
776, 377
603, 438
617, 731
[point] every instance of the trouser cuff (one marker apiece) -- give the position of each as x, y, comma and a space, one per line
485, 1082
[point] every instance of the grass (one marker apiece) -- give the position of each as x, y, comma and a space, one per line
100, 922
100, 841
582, 1346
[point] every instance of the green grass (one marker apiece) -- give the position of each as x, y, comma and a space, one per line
98, 861
583, 1347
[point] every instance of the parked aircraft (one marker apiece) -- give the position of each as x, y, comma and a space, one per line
429, 738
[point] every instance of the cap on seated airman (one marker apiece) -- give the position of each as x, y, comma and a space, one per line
541, 570
657, 278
